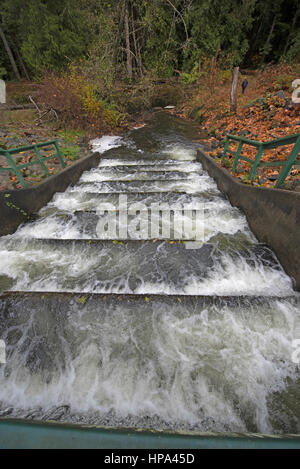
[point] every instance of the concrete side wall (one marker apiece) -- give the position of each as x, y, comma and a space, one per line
33, 199
273, 214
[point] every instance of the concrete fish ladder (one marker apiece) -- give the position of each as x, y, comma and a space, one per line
147, 332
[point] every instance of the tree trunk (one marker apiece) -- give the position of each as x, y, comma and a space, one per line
295, 19
233, 96
182, 18
136, 48
268, 41
120, 32
21, 61
215, 59
140, 59
10, 55
128, 51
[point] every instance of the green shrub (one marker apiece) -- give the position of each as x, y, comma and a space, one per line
70, 152
2, 72
283, 82
21, 99
225, 76
70, 135
197, 113
227, 164
163, 95
193, 76
78, 104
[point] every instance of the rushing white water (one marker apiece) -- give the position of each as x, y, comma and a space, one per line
100, 175
147, 166
165, 164
79, 200
101, 145
189, 187
173, 361
63, 225
158, 364
169, 269
177, 152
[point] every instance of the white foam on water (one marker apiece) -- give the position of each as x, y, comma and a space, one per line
192, 186
48, 269
237, 277
243, 281
71, 269
140, 162
51, 227
214, 369
101, 145
59, 228
181, 153
183, 168
72, 201
99, 176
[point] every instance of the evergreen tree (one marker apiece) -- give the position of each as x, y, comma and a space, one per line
127, 38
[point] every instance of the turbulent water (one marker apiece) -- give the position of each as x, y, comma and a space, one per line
148, 329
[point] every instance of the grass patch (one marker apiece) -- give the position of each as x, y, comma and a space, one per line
70, 152
26, 116
71, 136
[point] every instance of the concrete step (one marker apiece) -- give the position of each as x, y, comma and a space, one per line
72, 201
12, 299
151, 362
117, 166
140, 162
198, 186
140, 267
99, 175
136, 220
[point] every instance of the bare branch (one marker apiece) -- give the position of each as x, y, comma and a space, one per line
35, 105
182, 18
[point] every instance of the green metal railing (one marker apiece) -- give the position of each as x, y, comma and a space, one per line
261, 148
16, 169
